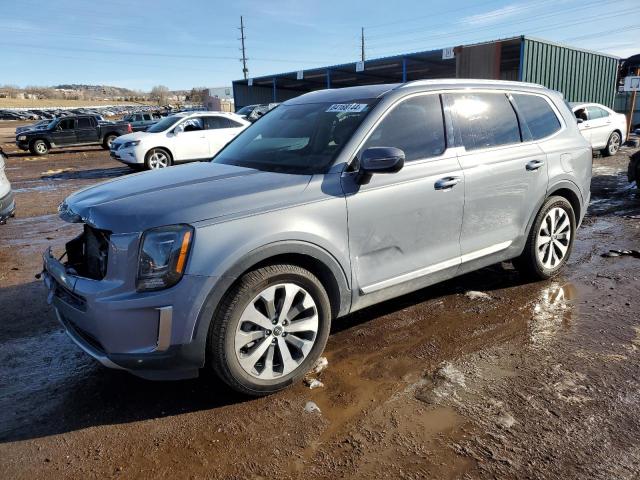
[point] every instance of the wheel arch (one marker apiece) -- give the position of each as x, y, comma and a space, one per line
303, 254
159, 147
44, 139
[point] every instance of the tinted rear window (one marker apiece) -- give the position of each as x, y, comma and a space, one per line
485, 120
538, 115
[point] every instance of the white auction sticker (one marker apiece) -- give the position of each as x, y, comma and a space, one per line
347, 107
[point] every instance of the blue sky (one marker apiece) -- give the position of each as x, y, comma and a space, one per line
186, 43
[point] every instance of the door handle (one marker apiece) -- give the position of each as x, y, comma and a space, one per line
534, 165
446, 183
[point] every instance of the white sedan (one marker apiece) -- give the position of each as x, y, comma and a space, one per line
605, 129
183, 137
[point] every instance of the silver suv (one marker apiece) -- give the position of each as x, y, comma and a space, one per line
334, 201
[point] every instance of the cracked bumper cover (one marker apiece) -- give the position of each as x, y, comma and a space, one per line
147, 334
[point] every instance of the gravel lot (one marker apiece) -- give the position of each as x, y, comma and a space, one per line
527, 380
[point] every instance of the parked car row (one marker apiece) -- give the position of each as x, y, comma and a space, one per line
334, 201
50, 113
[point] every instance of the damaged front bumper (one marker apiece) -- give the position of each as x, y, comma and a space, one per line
147, 334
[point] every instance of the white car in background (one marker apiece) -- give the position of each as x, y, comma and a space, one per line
183, 137
7, 199
605, 129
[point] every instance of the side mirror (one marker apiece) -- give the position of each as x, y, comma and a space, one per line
379, 160
580, 120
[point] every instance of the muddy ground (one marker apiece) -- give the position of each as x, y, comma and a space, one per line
529, 380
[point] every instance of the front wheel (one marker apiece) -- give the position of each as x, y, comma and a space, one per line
613, 145
39, 147
550, 240
270, 329
157, 158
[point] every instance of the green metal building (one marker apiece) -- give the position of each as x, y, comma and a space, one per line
581, 75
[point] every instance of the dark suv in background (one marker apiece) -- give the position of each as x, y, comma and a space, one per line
71, 131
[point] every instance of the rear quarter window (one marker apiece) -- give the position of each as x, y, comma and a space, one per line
538, 115
484, 120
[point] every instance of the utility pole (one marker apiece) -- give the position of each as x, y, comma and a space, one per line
362, 44
245, 70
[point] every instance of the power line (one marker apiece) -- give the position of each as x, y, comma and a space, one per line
493, 26
581, 21
245, 70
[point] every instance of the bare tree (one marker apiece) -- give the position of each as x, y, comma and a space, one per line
197, 95
159, 94
11, 91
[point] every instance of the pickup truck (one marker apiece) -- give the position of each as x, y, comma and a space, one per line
141, 121
71, 131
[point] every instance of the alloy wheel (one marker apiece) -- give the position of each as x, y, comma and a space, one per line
158, 159
276, 331
614, 143
41, 148
554, 238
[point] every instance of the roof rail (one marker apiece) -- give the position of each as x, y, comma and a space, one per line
469, 81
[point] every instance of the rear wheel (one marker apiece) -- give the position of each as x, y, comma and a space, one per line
39, 147
613, 145
108, 140
550, 240
270, 329
157, 158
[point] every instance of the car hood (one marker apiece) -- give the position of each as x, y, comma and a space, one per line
130, 136
184, 194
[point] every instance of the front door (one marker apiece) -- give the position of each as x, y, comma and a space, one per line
404, 227
219, 132
190, 141
64, 133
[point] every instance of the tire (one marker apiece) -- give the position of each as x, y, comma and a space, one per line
157, 158
613, 145
245, 367
539, 261
106, 144
39, 147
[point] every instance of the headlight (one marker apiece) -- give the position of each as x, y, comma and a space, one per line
163, 256
133, 143
22, 137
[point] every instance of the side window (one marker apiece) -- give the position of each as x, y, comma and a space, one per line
415, 126
84, 122
538, 115
146, 117
138, 118
233, 123
485, 120
67, 124
596, 112
214, 123
191, 125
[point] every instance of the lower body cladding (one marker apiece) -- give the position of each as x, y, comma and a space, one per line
151, 335
7, 207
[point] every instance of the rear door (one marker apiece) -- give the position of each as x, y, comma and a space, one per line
65, 132
504, 175
404, 227
600, 126
220, 131
86, 131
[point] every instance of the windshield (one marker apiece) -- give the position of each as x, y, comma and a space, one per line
301, 139
163, 124
246, 110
